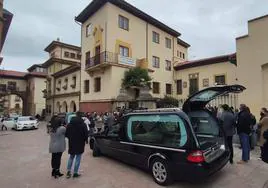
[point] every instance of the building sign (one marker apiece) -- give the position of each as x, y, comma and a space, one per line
206, 82
184, 84
126, 61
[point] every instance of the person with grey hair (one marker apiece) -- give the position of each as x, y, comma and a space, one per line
228, 124
57, 145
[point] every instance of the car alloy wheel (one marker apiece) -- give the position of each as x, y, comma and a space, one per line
160, 172
91, 144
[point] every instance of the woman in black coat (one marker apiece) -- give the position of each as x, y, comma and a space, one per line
265, 147
77, 136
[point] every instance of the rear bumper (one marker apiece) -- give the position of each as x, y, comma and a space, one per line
198, 172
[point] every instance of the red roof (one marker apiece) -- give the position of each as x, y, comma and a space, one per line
205, 61
17, 74
36, 74
11, 73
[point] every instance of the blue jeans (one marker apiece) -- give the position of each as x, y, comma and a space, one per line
76, 164
244, 139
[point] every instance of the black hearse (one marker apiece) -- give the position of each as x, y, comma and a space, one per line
186, 144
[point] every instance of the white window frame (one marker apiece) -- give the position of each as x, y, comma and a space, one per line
156, 62
123, 22
168, 43
88, 30
124, 51
167, 61
156, 37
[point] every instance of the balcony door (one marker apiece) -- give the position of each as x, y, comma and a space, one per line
97, 55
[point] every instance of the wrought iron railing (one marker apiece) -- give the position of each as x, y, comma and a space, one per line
104, 57
9, 89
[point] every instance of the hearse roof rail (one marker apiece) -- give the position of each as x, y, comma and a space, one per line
158, 110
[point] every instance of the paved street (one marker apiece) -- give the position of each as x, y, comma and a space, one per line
25, 163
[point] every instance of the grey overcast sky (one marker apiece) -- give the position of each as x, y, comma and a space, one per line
210, 26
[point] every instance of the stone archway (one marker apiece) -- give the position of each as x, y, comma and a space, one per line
23, 96
64, 107
58, 107
73, 107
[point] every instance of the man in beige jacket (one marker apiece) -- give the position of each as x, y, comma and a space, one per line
263, 126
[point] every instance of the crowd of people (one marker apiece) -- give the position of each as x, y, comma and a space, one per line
244, 123
77, 132
241, 122
77, 135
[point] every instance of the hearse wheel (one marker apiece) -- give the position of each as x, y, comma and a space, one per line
91, 144
160, 172
96, 151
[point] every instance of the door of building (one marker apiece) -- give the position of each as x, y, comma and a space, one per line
97, 55
193, 84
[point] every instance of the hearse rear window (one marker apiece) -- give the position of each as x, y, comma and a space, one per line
205, 96
204, 124
163, 130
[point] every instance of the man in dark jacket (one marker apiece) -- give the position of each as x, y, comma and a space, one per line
228, 124
244, 122
77, 135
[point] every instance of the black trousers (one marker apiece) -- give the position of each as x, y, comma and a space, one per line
262, 151
230, 146
56, 160
3, 126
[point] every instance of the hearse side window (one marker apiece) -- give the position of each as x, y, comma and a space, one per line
163, 130
114, 130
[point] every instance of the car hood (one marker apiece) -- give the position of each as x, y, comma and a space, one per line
200, 99
27, 122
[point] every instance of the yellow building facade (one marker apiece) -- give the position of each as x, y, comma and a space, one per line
116, 37
62, 91
5, 21
193, 76
252, 70
27, 86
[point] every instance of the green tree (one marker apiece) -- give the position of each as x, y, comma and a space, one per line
136, 77
167, 102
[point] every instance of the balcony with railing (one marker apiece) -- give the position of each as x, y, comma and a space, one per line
106, 58
8, 88
47, 93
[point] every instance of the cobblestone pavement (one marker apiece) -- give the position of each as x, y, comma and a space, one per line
25, 163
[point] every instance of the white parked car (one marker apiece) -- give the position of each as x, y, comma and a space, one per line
26, 122
10, 122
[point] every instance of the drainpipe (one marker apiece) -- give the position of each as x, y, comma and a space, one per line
80, 63
172, 68
106, 36
53, 96
147, 41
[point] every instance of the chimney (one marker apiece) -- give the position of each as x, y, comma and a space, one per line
58, 39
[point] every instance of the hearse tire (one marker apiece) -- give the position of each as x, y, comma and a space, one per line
91, 144
96, 151
161, 172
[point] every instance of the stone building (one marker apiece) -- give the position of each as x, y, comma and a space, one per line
117, 36
62, 90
